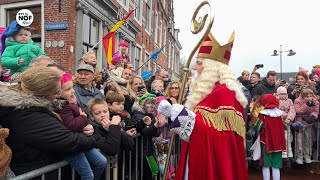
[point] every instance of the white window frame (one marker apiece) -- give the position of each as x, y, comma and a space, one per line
139, 21
126, 6
5, 7
156, 19
160, 38
149, 15
134, 62
172, 56
146, 57
154, 68
164, 39
169, 54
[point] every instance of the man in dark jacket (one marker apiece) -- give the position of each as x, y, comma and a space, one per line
159, 75
267, 85
254, 81
85, 89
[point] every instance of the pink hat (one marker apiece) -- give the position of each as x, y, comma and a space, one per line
281, 90
301, 69
116, 58
123, 43
160, 98
65, 78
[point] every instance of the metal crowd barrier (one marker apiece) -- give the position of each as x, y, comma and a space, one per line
128, 168
131, 169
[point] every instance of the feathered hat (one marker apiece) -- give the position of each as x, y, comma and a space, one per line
116, 58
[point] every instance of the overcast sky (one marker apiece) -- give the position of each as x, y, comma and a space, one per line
260, 27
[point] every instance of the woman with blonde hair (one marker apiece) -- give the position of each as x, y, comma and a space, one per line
38, 137
172, 91
136, 87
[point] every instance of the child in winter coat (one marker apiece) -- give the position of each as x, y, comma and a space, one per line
108, 134
118, 63
288, 115
149, 126
75, 119
21, 50
307, 109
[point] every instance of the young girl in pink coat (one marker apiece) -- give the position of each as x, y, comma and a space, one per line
307, 109
288, 115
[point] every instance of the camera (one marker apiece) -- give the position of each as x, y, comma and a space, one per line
297, 85
258, 66
140, 88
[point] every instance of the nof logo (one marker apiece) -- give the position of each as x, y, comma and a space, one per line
24, 17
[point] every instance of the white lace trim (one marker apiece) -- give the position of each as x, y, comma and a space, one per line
186, 125
271, 112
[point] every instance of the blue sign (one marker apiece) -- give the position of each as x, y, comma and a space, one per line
55, 26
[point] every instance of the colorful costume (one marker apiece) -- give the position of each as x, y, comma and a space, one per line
216, 132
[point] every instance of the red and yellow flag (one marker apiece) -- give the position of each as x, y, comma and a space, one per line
109, 39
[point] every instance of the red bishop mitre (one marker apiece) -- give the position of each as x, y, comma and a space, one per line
211, 49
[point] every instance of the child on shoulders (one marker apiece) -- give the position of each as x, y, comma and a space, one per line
21, 50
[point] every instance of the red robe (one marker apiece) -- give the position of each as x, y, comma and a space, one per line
216, 148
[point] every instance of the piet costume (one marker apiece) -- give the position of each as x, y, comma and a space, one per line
271, 127
213, 146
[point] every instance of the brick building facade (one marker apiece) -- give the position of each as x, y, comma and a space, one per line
85, 22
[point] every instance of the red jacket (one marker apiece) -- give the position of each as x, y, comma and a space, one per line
71, 118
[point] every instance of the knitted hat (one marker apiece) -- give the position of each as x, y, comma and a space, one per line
146, 75
123, 43
5, 152
160, 98
269, 101
116, 58
301, 69
281, 90
145, 96
65, 78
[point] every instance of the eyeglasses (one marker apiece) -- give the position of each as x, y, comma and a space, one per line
176, 88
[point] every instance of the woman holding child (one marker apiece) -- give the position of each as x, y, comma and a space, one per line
37, 135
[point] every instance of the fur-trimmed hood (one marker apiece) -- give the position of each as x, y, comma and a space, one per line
12, 97
136, 107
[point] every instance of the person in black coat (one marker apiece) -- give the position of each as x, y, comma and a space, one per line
267, 85
37, 136
148, 126
108, 134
